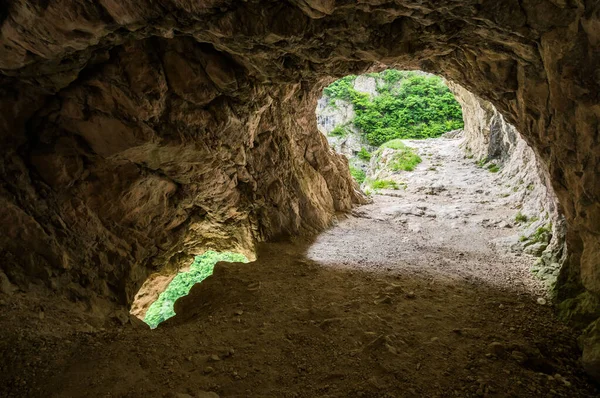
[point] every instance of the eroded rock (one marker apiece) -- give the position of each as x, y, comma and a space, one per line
136, 134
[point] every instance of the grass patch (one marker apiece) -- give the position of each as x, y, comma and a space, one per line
542, 234
481, 162
364, 154
493, 168
521, 218
358, 174
338, 131
393, 144
201, 268
384, 184
404, 158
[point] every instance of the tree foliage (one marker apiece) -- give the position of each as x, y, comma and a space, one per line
201, 268
410, 105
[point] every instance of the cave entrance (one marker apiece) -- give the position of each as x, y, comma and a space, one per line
452, 184
154, 302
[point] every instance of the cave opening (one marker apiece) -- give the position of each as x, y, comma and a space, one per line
154, 302
446, 167
132, 131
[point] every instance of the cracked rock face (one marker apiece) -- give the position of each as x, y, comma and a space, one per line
136, 133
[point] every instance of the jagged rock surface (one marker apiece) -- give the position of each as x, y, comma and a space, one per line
490, 139
132, 131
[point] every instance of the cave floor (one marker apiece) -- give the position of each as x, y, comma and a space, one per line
413, 295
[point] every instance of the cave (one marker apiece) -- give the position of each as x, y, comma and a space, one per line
136, 135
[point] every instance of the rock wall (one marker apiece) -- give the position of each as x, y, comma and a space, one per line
489, 138
133, 130
163, 151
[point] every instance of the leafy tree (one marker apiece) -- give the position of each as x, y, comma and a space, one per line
410, 105
201, 268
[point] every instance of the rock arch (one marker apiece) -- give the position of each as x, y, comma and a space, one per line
136, 133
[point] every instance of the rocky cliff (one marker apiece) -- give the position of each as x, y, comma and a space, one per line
490, 140
137, 132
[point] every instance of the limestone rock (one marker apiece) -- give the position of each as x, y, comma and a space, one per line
135, 133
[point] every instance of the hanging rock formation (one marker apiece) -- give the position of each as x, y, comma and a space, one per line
136, 133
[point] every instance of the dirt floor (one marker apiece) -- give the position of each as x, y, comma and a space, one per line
414, 295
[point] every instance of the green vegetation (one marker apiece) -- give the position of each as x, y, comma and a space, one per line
410, 105
384, 184
201, 268
493, 168
338, 131
520, 218
358, 174
364, 154
542, 234
481, 162
404, 158
393, 144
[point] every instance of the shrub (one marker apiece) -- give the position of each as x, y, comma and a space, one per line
364, 154
421, 106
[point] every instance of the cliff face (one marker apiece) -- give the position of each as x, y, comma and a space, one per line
136, 133
488, 137
164, 150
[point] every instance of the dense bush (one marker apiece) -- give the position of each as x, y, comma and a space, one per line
410, 105
201, 268
363, 154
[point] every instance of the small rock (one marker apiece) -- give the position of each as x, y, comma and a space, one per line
209, 369
496, 349
206, 394
238, 312
410, 295
215, 358
541, 301
518, 356
384, 300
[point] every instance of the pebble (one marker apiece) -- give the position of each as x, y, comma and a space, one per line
541, 301
206, 394
496, 348
518, 356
